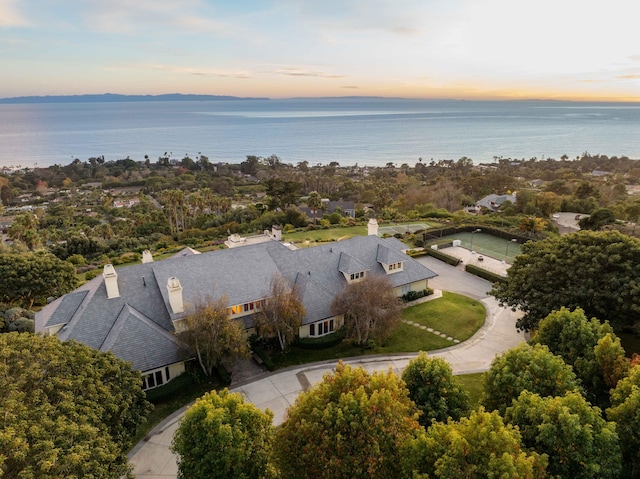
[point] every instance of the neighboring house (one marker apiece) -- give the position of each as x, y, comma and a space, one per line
135, 311
494, 202
348, 208
129, 203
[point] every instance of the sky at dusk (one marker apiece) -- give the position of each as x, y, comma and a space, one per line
473, 49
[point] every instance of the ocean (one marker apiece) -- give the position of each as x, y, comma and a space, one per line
366, 131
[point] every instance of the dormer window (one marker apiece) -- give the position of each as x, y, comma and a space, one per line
393, 267
352, 269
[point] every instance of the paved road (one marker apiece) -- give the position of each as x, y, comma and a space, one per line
152, 458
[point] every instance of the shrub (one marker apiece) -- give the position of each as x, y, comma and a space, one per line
484, 274
323, 342
442, 257
413, 295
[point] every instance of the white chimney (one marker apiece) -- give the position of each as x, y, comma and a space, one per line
372, 227
111, 281
276, 232
174, 289
147, 257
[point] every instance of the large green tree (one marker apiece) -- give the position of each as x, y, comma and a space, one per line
525, 367
370, 308
477, 447
352, 425
223, 436
596, 271
68, 411
211, 335
435, 390
579, 443
624, 410
570, 335
30, 278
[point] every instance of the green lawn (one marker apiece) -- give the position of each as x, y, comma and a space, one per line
456, 315
300, 238
472, 383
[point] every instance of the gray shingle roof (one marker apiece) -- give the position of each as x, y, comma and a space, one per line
137, 326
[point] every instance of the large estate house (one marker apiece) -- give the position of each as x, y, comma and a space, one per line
136, 311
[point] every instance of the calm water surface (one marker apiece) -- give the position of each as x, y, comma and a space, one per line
365, 131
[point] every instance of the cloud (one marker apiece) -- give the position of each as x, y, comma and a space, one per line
297, 72
630, 76
351, 87
123, 16
181, 70
10, 15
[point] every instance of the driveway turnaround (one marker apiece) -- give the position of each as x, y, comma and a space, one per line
152, 458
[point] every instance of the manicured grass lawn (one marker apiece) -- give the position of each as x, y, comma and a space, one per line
453, 314
472, 383
300, 238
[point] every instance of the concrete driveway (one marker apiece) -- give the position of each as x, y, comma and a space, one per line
152, 458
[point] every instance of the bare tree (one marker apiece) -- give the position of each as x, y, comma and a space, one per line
282, 312
370, 308
212, 335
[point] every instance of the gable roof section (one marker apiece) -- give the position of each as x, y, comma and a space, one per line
350, 265
387, 255
316, 299
137, 339
67, 308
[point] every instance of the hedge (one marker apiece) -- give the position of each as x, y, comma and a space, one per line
443, 257
484, 274
323, 342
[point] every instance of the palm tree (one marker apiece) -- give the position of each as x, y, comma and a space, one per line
314, 202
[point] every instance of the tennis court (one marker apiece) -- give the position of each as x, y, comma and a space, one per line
402, 229
487, 245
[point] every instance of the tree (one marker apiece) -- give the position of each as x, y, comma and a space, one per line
625, 404
525, 367
67, 410
212, 335
314, 202
595, 271
579, 443
351, 425
370, 308
281, 193
477, 447
571, 336
597, 219
222, 436
435, 390
25, 228
30, 278
282, 312
547, 203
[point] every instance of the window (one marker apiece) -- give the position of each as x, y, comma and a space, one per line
245, 307
324, 327
154, 379
355, 276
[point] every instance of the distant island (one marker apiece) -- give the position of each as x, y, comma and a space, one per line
112, 97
